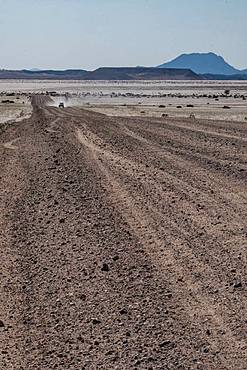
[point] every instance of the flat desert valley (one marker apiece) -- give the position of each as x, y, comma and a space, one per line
123, 225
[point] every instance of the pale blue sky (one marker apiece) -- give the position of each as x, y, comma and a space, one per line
90, 33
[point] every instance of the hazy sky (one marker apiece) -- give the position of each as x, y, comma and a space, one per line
90, 33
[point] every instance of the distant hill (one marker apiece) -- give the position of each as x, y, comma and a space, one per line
71, 74
202, 63
141, 73
104, 73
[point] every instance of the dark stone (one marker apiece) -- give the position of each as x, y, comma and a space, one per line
237, 284
123, 311
96, 321
166, 343
105, 267
168, 295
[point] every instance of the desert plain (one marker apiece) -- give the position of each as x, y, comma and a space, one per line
123, 225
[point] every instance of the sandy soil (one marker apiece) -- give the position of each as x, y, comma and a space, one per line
17, 109
176, 108
123, 242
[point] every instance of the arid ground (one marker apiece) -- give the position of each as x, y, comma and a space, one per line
203, 99
123, 241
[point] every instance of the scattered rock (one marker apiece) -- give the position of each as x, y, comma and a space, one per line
237, 284
123, 311
205, 349
105, 267
7, 101
168, 295
165, 343
96, 321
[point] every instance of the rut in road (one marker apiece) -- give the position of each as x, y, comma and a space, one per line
123, 242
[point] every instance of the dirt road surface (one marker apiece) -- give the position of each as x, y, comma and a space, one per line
122, 242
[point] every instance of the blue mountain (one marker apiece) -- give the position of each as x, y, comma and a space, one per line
203, 63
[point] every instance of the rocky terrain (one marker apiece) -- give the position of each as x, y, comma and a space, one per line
14, 107
123, 242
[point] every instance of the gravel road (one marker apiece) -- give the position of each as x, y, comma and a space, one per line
123, 242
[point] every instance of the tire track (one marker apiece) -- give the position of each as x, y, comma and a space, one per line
123, 242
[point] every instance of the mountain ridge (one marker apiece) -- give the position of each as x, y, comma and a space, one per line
105, 73
122, 73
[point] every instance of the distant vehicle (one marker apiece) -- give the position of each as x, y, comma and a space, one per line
61, 105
